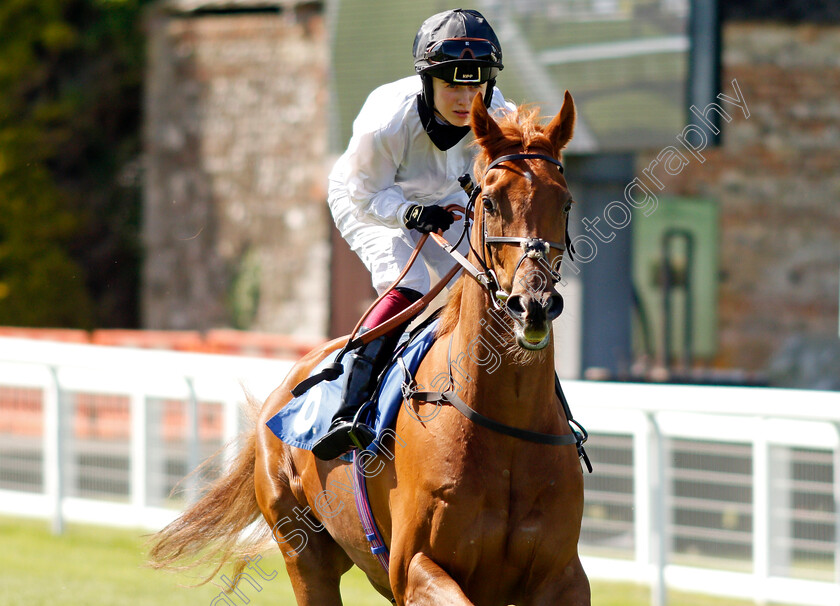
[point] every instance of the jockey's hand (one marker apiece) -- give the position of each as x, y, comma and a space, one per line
427, 219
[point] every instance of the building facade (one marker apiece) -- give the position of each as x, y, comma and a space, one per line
238, 234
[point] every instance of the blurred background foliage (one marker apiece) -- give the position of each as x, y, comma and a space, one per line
70, 116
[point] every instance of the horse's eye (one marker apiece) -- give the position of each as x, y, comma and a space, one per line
488, 204
568, 206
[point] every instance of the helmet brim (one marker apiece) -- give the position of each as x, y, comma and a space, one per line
462, 72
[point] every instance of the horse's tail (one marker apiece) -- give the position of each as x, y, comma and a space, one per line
210, 530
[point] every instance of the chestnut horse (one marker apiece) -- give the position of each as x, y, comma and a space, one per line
470, 515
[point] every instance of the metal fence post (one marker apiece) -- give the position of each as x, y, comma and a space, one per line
138, 462
659, 522
53, 448
643, 496
761, 515
230, 431
193, 455
836, 487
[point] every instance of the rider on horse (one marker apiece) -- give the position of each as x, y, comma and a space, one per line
410, 145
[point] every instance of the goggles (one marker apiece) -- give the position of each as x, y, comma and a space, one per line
463, 49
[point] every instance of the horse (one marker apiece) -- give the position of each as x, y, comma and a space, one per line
470, 515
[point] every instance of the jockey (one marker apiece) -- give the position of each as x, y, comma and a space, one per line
410, 144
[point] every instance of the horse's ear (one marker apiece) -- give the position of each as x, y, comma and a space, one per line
482, 123
562, 127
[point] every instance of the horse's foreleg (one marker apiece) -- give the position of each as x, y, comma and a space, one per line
427, 584
571, 588
314, 561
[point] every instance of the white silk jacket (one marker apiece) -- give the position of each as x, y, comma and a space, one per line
391, 163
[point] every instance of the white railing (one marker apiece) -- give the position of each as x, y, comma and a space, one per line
102, 434
717, 490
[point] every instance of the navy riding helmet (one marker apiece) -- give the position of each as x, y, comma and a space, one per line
460, 47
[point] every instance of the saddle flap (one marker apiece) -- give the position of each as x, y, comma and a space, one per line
305, 418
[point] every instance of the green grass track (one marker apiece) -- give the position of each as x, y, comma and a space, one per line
95, 566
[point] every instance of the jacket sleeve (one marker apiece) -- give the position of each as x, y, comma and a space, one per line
373, 160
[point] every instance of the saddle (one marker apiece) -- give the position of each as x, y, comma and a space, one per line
307, 416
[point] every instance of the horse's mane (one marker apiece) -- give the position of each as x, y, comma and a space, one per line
520, 130
452, 309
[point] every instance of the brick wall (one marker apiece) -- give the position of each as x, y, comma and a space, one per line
235, 228
777, 183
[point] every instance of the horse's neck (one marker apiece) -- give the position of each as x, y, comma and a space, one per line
508, 391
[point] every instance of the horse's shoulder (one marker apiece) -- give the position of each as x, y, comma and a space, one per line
434, 361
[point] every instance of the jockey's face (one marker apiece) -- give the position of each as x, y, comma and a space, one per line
453, 101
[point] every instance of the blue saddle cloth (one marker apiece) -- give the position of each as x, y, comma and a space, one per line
307, 417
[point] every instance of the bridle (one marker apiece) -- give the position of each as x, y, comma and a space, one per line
532, 248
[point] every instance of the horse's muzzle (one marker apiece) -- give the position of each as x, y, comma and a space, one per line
533, 316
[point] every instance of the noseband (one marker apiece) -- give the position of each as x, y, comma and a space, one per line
532, 248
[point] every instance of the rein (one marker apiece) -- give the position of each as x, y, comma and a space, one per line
334, 370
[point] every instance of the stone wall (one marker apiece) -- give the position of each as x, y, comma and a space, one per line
776, 180
236, 228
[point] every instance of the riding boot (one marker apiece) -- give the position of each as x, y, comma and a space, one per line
368, 362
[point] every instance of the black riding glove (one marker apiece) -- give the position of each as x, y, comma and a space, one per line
427, 219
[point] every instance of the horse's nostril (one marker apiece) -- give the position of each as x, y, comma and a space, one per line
514, 306
555, 306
